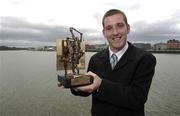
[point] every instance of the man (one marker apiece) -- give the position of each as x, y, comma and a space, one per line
119, 90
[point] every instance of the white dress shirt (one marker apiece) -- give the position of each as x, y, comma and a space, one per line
120, 53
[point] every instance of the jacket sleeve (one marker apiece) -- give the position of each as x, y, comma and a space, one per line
135, 94
91, 67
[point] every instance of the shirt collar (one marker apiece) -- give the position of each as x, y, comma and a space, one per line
120, 53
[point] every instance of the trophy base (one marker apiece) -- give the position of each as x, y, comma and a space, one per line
70, 81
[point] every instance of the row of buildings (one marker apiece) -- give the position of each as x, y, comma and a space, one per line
43, 48
172, 44
169, 45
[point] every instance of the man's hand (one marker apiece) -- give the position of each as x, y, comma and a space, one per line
60, 85
92, 87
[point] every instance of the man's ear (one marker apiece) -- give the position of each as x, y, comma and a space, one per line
103, 32
128, 28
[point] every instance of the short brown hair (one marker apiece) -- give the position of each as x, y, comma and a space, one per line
113, 12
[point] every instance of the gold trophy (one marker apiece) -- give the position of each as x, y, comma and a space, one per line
71, 56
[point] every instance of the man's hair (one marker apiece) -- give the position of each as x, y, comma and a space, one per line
113, 12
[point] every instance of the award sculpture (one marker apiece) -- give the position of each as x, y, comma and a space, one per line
71, 56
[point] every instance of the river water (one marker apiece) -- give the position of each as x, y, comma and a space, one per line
28, 87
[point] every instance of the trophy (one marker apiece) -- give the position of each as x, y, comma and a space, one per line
71, 56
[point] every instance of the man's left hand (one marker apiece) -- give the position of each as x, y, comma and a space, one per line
92, 87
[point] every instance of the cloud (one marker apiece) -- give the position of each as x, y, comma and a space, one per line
18, 31
159, 31
134, 7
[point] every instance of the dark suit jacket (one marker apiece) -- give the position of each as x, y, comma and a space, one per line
124, 90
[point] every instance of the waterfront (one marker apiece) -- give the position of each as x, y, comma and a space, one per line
28, 87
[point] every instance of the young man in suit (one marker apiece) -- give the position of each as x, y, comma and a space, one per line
119, 90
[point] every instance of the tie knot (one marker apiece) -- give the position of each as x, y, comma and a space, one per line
114, 57
114, 60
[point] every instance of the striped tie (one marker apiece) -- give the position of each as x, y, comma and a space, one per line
113, 60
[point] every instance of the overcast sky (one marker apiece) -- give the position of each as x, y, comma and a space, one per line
41, 22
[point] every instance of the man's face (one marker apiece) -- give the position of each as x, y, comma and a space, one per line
116, 30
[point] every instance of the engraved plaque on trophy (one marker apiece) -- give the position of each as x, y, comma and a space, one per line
71, 57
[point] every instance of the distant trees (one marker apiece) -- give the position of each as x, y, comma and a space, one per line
11, 48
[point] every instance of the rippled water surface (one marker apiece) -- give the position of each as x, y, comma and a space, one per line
28, 87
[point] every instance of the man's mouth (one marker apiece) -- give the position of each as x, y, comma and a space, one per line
116, 38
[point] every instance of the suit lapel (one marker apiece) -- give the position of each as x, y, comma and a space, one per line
105, 60
126, 58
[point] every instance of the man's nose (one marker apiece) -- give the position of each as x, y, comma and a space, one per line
115, 31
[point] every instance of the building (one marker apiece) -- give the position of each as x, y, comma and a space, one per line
96, 47
160, 46
145, 46
173, 44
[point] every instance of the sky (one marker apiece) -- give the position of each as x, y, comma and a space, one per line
41, 22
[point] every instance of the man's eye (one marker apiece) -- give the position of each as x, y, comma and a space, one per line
120, 25
108, 28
